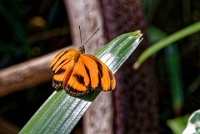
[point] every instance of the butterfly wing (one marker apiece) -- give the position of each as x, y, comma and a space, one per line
90, 74
62, 67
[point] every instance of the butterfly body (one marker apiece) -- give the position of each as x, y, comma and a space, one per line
78, 73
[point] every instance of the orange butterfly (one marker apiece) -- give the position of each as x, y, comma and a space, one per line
79, 73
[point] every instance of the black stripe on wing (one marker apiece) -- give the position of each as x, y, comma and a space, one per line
73, 92
60, 71
60, 56
88, 73
79, 78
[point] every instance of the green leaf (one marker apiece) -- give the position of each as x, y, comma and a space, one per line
193, 126
178, 124
173, 66
61, 112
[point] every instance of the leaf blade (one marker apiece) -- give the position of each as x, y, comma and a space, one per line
61, 112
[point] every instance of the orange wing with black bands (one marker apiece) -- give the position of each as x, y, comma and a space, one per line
81, 76
62, 67
90, 74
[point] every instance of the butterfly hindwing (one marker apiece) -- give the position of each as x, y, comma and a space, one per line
102, 76
89, 73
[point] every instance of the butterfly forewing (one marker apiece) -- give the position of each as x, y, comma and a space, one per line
62, 59
62, 67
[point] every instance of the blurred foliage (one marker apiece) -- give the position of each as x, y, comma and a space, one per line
170, 16
177, 125
22, 20
172, 62
32, 28
29, 29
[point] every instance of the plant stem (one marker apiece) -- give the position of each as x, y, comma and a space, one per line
165, 42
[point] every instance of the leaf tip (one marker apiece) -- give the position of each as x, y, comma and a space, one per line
136, 65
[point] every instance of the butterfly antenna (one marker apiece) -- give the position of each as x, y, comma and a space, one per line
80, 35
91, 36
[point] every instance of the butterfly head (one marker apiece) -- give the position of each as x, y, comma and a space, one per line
82, 49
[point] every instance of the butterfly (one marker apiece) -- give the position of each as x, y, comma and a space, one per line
78, 73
